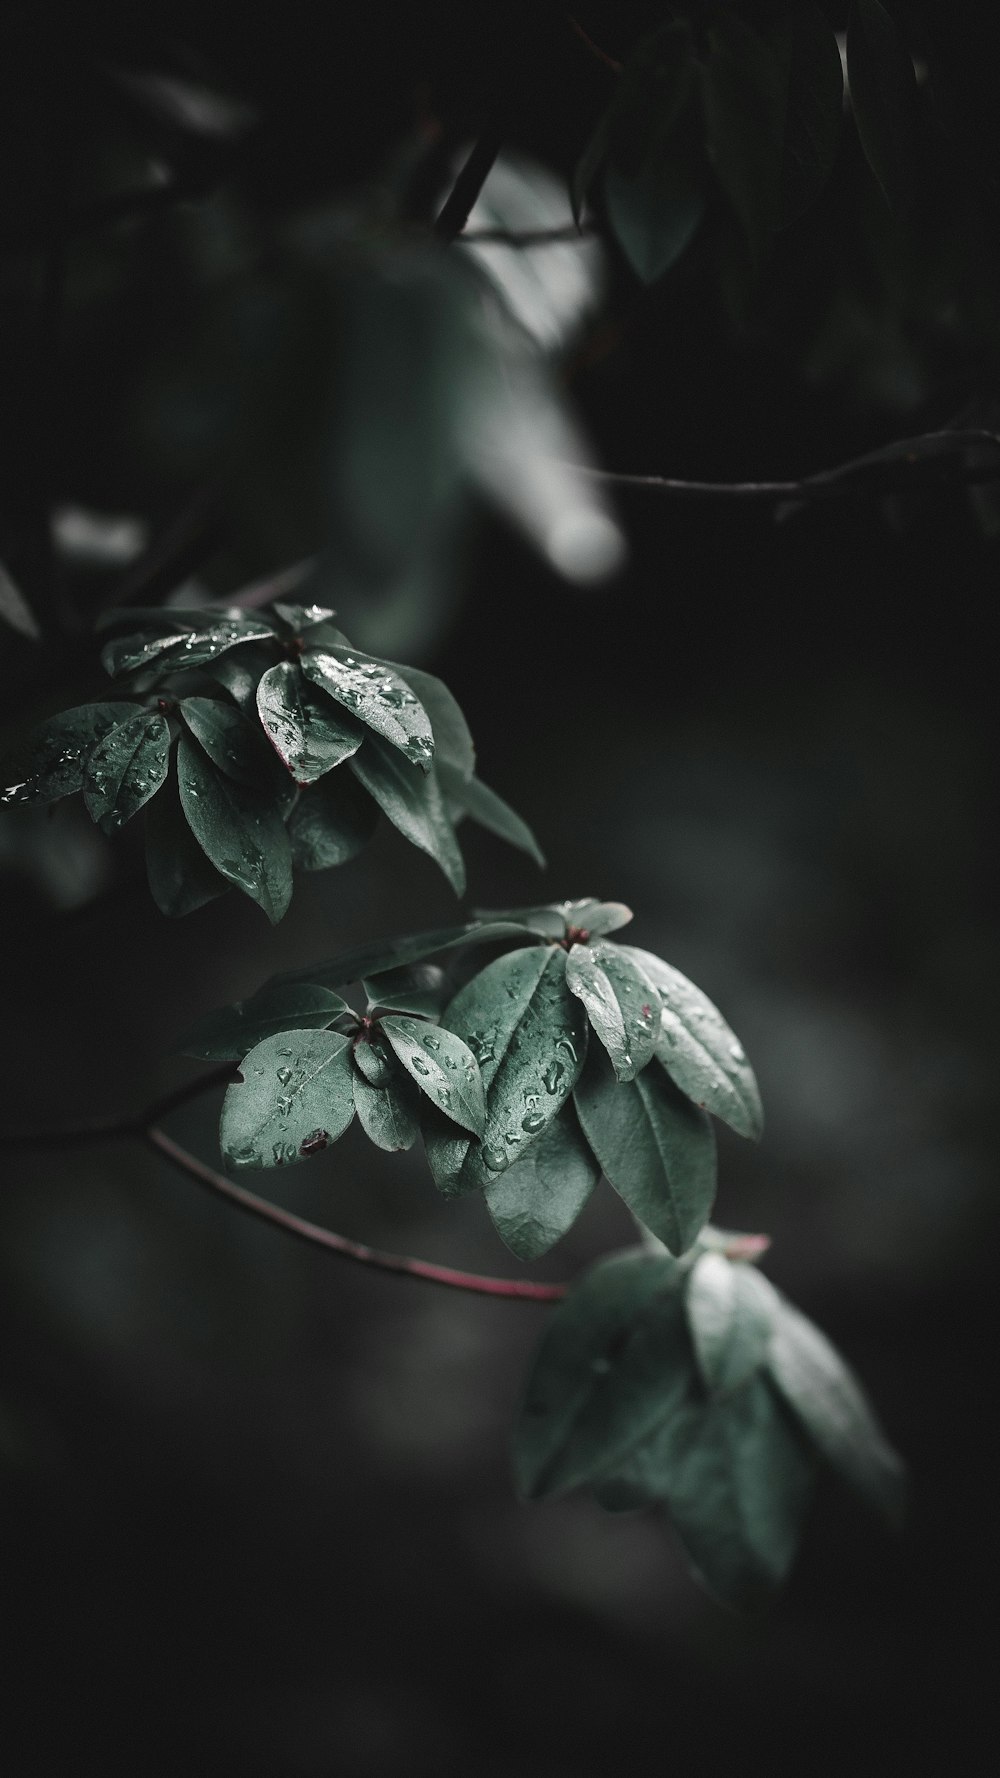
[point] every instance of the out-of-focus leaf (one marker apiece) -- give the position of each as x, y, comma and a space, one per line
699, 1051
476, 799
376, 695
307, 733
125, 768
442, 1066
613, 1363
332, 821
806, 43
743, 99
596, 918
834, 1410
655, 1147
180, 876
385, 1115
184, 104
50, 762
295, 1095
730, 1320
536, 1200
229, 1033
14, 608
419, 988
622, 1005
655, 213
227, 738
529, 1035
397, 953
883, 87
238, 829
413, 802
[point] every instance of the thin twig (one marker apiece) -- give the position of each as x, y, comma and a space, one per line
520, 1289
458, 205
931, 455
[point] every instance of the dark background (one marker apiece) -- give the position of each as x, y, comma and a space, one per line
257, 1510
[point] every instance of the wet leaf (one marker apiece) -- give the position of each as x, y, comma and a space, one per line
377, 696
238, 829
295, 1097
228, 739
420, 988
884, 100
413, 802
830, 1404
180, 876
125, 769
613, 1363
375, 1059
536, 1200
529, 1034
699, 1051
306, 731
622, 1005
476, 799
211, 634
229, 1033
49, 763
443, 1067
332, 822
728, 1308
386, 1117
655, 1147
596, 918
453, 744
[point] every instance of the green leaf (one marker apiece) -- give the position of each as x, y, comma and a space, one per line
814, 108
536, 1200
622, 1005
228, 739
413, 802
613, 1363
489, 810
49, 763
301, 619
210, 634
228, 1034
655, 1147
239, 674
332, 822
655, 213
829, 1402
883, 87
377, 696
736, 1478
180, 876
446, 1149
397, 953
699, 1051
743, 100
729, 1314
385, 1116
375, 1059
596, 918
295, 1096
420, 988
546, 921
529, 1035
443, 1067
125, 769
238, 829
453, 744
304, 730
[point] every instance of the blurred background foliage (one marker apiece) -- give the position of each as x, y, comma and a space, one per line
258, 1512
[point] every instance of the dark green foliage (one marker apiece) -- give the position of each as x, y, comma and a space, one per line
229, 1034
294, 1097
884, 98
258, 766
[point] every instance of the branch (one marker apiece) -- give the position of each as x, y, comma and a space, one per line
145, 1128
457, 207
929, 456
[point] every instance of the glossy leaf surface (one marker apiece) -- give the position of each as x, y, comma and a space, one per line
443, 1067
413, 802
228, 739
296, 1096
307, 732
730, 1321
125, 769
238, 829
385, 1115
229, 1033
699, 1051
377, 696
420, 988
622, 1005
211, 634
331, 822
655, 1147
536, 1200
181, 879
50, 762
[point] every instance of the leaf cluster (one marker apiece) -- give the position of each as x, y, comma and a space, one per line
695, 1386
230, 742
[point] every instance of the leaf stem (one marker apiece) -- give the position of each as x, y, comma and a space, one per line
457, 207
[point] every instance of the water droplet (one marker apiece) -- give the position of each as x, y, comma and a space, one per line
284, 1105
315, 1140
420, 1066
565, 1043
284, 1052
443, 1097
432, 1043
243, 1157
737, 1052
494, 1159
533, 1122
551, 1076
278, 1153
284, 1075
